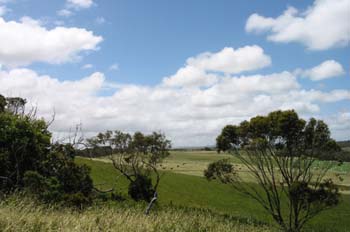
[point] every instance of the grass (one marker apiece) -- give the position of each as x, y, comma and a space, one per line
195, 162
187, 202
194, 191
23, 214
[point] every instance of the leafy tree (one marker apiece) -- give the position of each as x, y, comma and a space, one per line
136, 157
283, 130
29, 160
24, 143
60, 179
281, 152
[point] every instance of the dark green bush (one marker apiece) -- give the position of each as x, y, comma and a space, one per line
60, 180
29, 161
141, 189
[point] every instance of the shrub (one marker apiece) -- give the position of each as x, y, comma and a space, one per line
29, 160
141, 189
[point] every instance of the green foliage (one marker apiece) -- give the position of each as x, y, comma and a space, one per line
29, 160
280, 150
136, 157
24, 143
325, 196
59, 179
141, 189
47, 189
220, 170
283, 130
3, 103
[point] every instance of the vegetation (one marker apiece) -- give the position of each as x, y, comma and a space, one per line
21, 214
279, 151
28, 160
136, 157
192, 191
41, 180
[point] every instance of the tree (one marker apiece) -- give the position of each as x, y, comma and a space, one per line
136, 157
283, 130
28, 159
280, 152
60, 179
24, 143
3, 103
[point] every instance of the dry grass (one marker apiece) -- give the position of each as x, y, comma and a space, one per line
25, 215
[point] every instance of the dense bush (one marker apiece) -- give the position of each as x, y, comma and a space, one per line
60, 179
24, 144
29, 161
219, 170
141, 189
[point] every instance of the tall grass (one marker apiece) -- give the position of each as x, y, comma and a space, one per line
23, 214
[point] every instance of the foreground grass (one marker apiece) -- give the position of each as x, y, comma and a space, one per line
193, 191
22, 214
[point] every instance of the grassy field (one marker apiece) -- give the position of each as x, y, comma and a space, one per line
195, 162
22, 214
182, 185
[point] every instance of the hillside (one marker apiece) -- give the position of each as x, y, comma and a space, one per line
194, 191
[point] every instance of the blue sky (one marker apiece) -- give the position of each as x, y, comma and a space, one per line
148, 41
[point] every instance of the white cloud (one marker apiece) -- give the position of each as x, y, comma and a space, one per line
3, 10
57, 45
87, 66
64, 13
190, 76
327, 69
198, 70
189, 116
323, 25
339, 123
80, 3
114, 67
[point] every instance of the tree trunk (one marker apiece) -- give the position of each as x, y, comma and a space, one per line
154, 199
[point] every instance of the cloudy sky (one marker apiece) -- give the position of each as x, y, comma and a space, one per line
185, 67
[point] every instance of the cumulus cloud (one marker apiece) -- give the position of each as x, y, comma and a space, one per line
27, 41
198, 70
327, 69
323, 25
189, 116
340, 124
80, 3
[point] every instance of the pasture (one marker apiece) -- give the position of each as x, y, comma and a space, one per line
183, 186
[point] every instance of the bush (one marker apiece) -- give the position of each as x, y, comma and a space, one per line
29, 161
219, 170
24, 143
141, 189
60, 179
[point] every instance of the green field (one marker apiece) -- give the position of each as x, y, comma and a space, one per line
183, 185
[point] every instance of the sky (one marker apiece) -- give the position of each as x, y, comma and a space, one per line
185, 68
